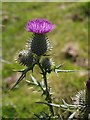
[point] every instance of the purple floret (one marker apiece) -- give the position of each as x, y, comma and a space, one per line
39, 26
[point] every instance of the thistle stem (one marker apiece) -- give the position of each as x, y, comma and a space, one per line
48, 96
87, 100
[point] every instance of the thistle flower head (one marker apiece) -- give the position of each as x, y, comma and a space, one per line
39, 26
25, 58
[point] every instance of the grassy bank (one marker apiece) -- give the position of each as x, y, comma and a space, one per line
71, 20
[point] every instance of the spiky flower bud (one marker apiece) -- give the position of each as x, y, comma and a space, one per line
39, 44
46, 64
25, 58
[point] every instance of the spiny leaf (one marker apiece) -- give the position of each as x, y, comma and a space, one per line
57, 67
18, 81
69, 106
41, 88
23, 75
49, 104
58, 70
30, 83
72, 115
36, 83
34, 80
64, 102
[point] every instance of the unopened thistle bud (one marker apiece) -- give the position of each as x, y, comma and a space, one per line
39, 44
25, 58
47, 64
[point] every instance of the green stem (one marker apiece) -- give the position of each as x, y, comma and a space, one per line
48, 96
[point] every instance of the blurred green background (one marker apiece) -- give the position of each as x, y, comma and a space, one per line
70, 46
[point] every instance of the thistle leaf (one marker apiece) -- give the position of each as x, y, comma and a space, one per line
19, 80
64, 107
42, 88
58, 70
34, 80
64, 102
23, 75
30, 83
72, 115
49, 104
57, 67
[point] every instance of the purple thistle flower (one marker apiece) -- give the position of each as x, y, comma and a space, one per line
39, 26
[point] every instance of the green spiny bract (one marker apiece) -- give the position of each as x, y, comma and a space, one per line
39, 44
25, 58
47, 64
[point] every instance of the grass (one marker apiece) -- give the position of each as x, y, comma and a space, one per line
21, 102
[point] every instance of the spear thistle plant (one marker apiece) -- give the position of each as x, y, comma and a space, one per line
38, 46
37, 53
